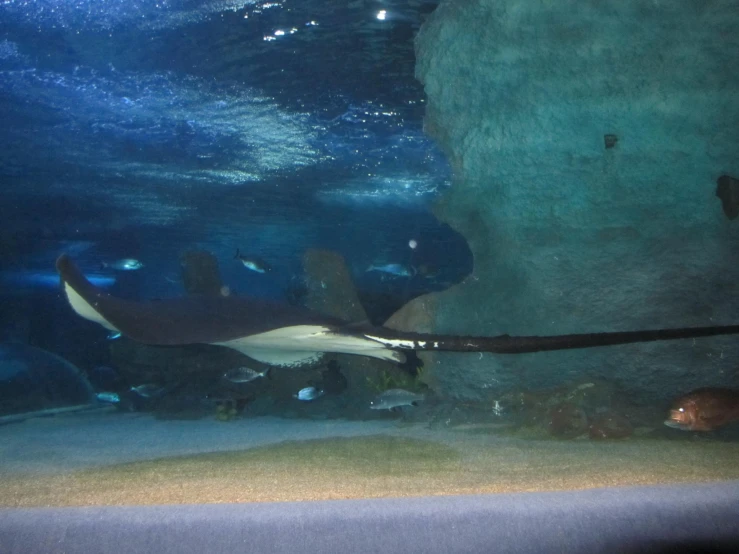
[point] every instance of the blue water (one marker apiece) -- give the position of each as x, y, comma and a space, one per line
147, 129
144, 129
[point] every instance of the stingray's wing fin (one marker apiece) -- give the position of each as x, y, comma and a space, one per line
174, 321
83, 296
271, 333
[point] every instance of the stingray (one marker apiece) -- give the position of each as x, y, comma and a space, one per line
291, 336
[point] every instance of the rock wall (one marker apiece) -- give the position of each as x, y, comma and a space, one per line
586, 139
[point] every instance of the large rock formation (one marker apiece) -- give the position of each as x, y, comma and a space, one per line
586, 139
200, 273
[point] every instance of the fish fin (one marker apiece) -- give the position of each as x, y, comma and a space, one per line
81, 294
238, 254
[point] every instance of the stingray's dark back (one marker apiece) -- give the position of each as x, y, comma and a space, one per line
191, 319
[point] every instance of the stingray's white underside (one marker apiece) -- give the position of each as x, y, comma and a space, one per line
84, 309
302, 344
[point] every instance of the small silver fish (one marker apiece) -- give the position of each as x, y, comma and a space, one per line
113, 335
252, 263
125, 264
308, 393
244, 375
395, 398
108, 397
397, 270
147, 391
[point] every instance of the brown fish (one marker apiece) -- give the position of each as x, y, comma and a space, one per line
704, 409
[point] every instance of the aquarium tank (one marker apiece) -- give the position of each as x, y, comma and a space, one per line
279, 254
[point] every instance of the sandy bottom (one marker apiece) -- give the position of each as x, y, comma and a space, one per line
114, 459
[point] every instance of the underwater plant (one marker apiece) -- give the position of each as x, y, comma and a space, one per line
226, 411
388, 379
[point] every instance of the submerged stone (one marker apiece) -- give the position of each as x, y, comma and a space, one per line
200, 273
32, 379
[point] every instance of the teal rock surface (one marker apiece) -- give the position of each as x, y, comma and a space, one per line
572, 231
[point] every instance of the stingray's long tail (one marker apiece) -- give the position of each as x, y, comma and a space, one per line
505, 344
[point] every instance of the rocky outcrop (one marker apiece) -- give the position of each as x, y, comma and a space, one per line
200, 273
572, 231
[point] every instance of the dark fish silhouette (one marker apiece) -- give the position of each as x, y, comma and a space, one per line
283, 335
